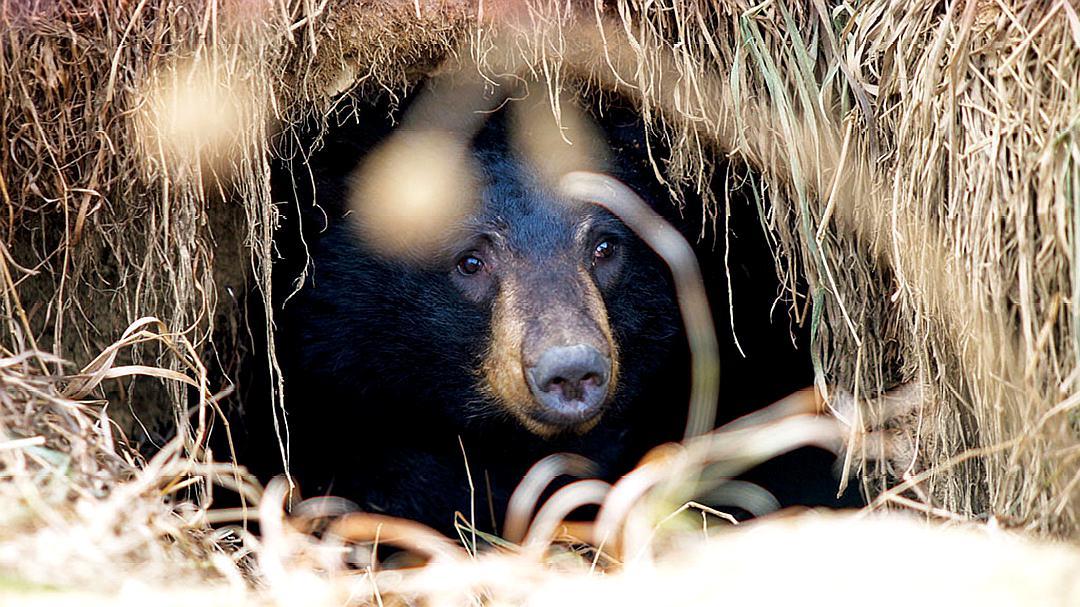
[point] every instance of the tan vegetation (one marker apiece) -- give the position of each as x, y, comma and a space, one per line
916, 162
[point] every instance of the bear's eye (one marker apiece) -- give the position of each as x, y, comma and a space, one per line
603, 250
469, 265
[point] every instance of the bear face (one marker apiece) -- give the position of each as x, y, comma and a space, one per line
533, 327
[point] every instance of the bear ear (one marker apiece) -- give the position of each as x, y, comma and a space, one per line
412, 192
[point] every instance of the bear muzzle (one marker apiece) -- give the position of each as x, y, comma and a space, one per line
551, 361
570, 383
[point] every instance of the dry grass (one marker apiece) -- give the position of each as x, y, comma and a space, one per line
81, 509
916, 162
87, 522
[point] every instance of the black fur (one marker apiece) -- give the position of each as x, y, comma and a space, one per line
380, 357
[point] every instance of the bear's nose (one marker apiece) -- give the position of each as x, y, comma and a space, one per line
570, 382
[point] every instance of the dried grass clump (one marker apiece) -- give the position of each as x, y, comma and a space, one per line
931, 167
981, 125
80, 510
916, 163
106, 220
105, 529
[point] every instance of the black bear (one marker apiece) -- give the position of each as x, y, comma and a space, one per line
538, 326
533, 326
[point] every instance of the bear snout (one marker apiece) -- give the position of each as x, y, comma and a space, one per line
570, 383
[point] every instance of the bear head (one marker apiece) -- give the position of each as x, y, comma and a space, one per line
529, 307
